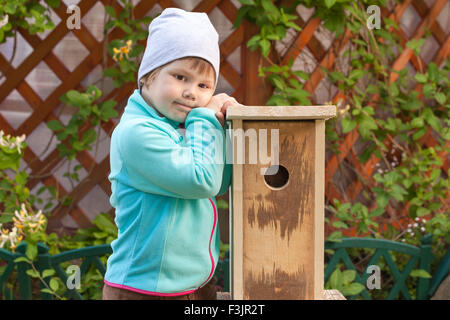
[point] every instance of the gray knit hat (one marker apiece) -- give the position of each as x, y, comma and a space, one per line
178, 34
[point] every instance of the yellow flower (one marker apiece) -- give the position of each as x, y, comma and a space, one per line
125, 50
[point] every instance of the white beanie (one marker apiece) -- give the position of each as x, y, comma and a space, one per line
178, 34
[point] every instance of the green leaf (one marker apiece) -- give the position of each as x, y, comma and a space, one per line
31, 251
89, 136
393, 89
348, 125
335, 236
53, 3
22, 259
54, 285
422, 211
248, 2
47, 273
367, 125
104, 223
440, 97
330, 3
348, 276
336, 76
110, 10
353, 289
419, 134
432, 120
340, 224
77, 99
239, 16
415, 45
417, 122
55, 125
433, 71
33, 273
265, 47
46, 290
377, 212
421, 78
254, 41
428, 90
420, 273
222, 204
336, 279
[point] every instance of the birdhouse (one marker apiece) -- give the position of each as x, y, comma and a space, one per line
277, 201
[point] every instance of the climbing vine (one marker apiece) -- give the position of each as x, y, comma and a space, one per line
392, 118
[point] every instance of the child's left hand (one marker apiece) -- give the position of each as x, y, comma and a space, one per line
221, 115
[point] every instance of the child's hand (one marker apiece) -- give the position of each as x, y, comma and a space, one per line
220, 103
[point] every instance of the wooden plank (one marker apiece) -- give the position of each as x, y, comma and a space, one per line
278, 223
236, 216
319, 208
257, 89
281, 112
228, 9
206, 6
233, 41
231, 75
422, 9
301, 41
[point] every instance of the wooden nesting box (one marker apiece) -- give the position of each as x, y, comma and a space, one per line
277, 207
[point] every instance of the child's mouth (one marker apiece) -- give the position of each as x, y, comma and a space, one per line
183, 106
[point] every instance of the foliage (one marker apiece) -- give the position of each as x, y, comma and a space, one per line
344, 282
93, 109
32, 16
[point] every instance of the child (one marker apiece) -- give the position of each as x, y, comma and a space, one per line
163, 184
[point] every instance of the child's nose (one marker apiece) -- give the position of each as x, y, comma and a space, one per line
189, 93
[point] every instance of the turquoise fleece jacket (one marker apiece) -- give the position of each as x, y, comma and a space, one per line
163, 189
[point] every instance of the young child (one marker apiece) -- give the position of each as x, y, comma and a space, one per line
163, 183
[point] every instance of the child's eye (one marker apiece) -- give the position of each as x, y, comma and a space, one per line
179, 77
203, 86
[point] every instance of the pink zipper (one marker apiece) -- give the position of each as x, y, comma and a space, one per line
210, 239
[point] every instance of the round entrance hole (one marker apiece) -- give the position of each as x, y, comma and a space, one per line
276, 177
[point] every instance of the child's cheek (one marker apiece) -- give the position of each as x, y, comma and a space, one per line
168, 92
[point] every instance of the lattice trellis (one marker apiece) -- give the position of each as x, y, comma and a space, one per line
45, 59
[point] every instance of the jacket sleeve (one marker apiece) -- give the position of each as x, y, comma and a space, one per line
228, 168
191, 168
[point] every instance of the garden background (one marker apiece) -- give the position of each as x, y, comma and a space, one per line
65, 82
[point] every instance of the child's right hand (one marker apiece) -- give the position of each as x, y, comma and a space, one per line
219, 103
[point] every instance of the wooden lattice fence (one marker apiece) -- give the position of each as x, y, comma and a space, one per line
48, 65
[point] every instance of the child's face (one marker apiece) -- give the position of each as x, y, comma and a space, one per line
177, 89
